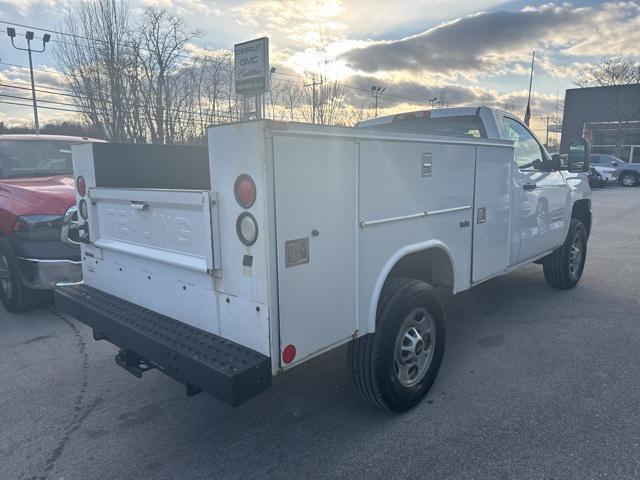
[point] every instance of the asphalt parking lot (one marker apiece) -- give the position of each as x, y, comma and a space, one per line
535, 384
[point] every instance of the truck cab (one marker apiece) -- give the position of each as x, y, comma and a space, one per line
38, 248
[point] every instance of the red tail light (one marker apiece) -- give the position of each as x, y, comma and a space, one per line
81, 186
245, 190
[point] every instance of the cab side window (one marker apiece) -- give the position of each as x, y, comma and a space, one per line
528, 151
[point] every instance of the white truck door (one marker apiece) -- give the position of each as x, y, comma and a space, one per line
539, 198
491, 206
316, 225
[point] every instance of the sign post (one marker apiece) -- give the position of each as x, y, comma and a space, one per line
252, 73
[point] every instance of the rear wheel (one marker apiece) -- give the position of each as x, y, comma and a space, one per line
629, 179
395, 367
563, 268
14, 294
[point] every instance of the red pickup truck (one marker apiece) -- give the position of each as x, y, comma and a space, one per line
38, 219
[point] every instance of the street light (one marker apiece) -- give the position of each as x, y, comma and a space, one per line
272, 70
377, 92
11, 32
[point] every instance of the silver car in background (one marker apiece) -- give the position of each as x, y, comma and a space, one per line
627, 174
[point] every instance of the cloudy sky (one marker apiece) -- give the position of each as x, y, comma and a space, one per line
474, 52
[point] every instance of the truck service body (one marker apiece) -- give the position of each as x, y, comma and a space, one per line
285, 240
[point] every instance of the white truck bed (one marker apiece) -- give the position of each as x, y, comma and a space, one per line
337, 210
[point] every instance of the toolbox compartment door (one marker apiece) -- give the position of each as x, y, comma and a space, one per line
491, 220
315, 194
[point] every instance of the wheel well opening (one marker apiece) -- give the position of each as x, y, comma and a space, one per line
582, 211
432, 266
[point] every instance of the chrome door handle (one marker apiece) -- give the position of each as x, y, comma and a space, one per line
139, 205
529, 186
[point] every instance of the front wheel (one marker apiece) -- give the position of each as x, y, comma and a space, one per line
15, 295
629, 179
563, 268
395, 367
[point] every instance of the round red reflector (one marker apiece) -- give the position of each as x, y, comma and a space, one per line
288, 354
245, 190
81, 185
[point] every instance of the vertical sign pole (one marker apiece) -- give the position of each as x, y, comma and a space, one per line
251, 61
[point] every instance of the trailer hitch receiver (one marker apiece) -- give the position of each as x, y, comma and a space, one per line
133, 363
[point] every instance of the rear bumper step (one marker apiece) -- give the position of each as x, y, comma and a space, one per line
198, 359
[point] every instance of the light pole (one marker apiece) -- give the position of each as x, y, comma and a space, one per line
29, 36
377, 92
272, 70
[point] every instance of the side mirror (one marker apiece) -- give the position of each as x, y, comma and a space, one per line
556, 162
579, 156
614, 164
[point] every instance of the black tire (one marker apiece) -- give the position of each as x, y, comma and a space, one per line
629, 179
562, 269
18, 297
372, 358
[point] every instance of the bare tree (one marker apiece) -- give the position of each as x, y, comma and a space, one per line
159, 46
292, 97
331, 108
94, 61
618, 70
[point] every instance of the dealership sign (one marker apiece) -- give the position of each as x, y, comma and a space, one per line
252, 66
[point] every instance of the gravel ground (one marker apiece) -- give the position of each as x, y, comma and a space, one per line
535, 384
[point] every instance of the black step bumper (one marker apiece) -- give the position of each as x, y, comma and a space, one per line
198, 359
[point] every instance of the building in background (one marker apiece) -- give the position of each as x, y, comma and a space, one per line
609, 117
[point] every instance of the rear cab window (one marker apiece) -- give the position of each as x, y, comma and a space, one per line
469, 126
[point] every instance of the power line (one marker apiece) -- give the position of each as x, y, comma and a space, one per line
62, 93
30, 99
191, 57
72, 95
171, 111
177, 120
43, 106
81, 37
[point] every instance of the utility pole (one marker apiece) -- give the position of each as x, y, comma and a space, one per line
527, 113
377, 92
314, 84
29, 36
264, 97
546, 143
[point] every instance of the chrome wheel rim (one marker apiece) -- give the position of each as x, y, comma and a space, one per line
414, 347
5, 276
576, 254
628, 180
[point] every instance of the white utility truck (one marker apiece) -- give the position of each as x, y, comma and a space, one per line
223, 267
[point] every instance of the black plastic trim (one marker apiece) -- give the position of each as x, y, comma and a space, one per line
198, 359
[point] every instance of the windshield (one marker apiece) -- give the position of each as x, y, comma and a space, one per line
612, 158
36, 158
458, 126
